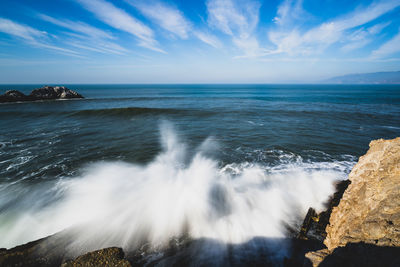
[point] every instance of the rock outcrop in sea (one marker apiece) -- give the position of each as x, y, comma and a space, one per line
44, 93
364, 228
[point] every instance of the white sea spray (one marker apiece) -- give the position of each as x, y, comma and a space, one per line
122, 204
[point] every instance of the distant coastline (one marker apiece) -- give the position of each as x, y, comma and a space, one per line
392, 77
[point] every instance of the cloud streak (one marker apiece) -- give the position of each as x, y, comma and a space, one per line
121, 20
19, 30
317, 39
290, 11
208, 38
31, 36
88, 37
390, 47
167, 17
239, 20
362, 37
171, 19
77, 27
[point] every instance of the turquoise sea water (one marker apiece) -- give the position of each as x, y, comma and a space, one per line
310, 132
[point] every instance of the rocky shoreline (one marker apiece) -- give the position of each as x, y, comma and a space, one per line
43, 93
360, 226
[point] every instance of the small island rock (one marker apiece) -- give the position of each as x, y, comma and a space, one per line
44, 93
57, 92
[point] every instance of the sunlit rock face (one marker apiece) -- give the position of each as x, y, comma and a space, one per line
364, 229
370, 208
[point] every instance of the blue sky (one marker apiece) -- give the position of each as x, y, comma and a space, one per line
211, 41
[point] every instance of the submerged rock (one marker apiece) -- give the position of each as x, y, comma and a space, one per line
44, 93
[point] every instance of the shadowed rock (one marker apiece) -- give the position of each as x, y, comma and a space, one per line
362, 254
314, 224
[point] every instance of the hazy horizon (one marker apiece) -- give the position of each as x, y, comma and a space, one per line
195, 42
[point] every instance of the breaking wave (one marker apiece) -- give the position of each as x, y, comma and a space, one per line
126, 205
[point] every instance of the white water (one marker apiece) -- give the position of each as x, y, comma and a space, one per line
121, 204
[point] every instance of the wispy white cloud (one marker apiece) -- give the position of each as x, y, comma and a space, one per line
378, 28
290, 11
23, 31
233, 18
88, 37
77, 27
166, 16
361, 37
61, 50
238, 19
32, 36
103, 47
171, 19
121, 20
356, 40
315, 40
208, 38
390, 47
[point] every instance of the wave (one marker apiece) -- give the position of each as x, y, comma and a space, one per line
113, 112
130, 111
127, 205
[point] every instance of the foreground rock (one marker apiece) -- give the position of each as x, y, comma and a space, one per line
52, 251
364, 229
103, 257
314, 224
44, 93
42, 252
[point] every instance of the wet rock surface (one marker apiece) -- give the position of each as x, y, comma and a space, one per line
44, 93
314, 224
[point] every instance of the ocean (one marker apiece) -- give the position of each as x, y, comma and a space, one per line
144, 164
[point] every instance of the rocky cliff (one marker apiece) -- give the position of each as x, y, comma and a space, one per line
369, 210
367, 219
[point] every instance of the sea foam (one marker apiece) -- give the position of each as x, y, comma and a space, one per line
127, 205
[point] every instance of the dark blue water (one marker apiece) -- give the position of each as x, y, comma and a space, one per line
121, 122
43, 143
